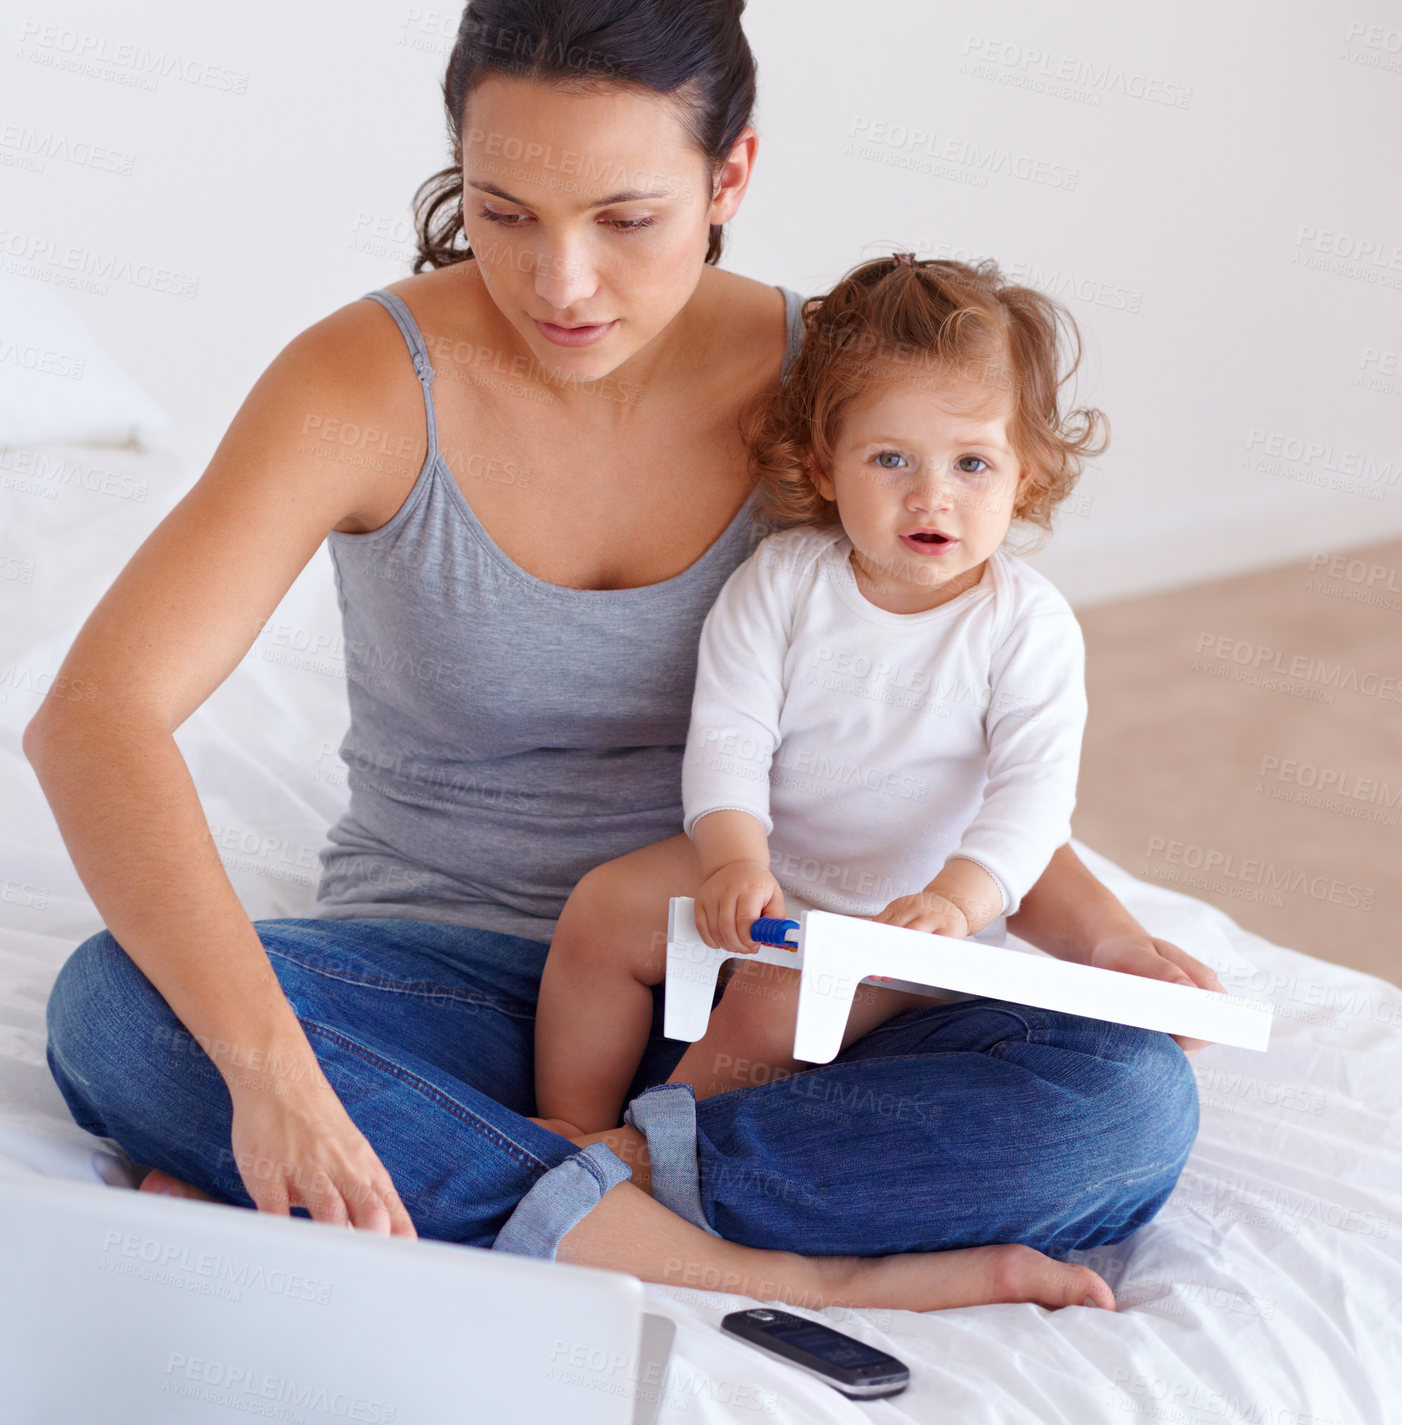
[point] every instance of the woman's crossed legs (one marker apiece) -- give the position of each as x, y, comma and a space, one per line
426, 1033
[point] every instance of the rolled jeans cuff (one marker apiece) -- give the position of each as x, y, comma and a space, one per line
666, 1116
558, 1199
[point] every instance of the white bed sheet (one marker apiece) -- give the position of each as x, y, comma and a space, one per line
1268, 1289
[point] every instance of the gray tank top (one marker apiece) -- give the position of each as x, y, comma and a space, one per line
506, 734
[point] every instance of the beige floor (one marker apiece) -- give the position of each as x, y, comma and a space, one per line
1217, 714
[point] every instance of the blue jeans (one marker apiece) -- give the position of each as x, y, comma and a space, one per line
948, 1126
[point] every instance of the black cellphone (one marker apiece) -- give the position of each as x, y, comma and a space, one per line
848, 1365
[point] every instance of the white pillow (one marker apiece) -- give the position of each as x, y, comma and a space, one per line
57, 384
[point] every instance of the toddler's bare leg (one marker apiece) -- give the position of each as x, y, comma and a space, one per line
749, 1039
595, 1007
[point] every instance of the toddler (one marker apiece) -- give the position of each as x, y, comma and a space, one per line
888, 706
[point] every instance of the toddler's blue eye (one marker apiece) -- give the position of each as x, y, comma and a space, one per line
893, 454
965, 461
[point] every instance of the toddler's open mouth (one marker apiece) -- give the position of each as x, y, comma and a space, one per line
929, 541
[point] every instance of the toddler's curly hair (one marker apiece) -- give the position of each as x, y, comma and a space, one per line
925, 320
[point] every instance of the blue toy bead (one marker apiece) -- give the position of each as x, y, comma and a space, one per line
771, 930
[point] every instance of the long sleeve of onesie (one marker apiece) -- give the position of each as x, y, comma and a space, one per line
739, 693
1034, 724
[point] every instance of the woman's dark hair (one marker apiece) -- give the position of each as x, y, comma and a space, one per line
692, 49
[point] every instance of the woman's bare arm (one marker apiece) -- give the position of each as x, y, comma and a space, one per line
1071, 914
1069, 911
174, 624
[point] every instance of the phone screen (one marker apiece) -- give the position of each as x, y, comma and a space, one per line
829, 1346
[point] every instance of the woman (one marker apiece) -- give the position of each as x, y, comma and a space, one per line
558, 491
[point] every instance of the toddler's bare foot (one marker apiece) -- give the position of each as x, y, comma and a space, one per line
966, 1276
157, 1181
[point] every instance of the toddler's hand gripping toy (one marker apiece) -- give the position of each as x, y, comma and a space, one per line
833, 953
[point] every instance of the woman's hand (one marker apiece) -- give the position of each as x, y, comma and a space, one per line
1156, 960
295, 1146
731, 899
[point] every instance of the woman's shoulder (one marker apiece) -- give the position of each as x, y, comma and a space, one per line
351, 378
448, 304
303, 418
348, 379
354, 359
741, 292
749, 326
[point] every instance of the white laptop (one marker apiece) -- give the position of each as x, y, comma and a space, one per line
122, 1306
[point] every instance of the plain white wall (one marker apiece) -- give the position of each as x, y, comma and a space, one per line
1212, 189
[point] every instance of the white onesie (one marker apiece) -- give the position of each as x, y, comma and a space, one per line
872, 745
